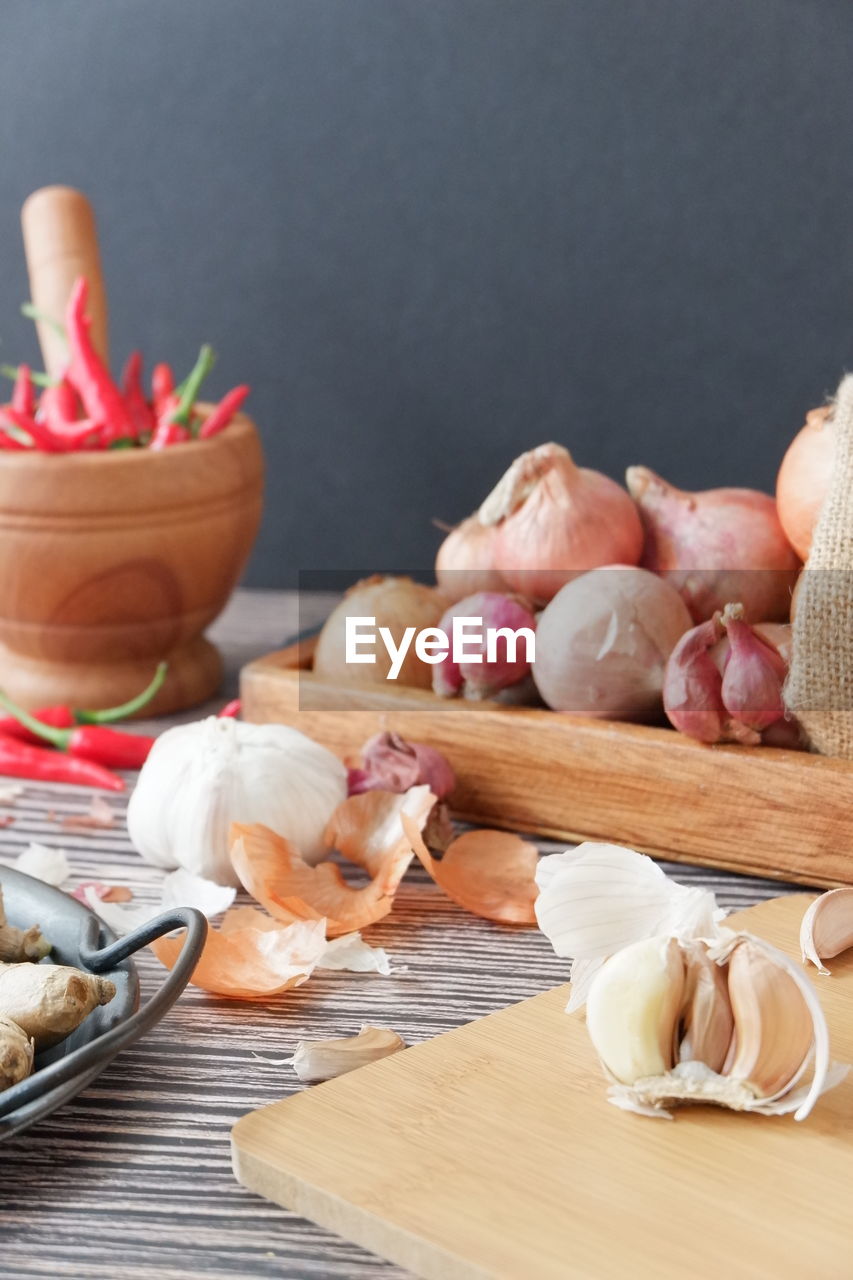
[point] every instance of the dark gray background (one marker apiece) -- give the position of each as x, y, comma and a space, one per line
431, 233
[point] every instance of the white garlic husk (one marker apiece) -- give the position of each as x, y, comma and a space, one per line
201, 777
679, 1007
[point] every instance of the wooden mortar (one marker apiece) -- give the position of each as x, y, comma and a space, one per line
112, 561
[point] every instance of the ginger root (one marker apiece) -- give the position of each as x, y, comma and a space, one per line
16, 1053
49, 1001
20, 944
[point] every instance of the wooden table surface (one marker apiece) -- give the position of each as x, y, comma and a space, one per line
133, 1179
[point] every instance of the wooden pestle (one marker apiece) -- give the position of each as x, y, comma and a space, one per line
60, 244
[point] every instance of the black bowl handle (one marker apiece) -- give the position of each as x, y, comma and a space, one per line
105, 1047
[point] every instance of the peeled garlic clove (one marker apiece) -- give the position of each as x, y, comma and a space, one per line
774, 1029
317, 1060
827, 927
706, 1014
633, 1006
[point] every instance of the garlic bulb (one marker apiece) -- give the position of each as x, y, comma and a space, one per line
201, 777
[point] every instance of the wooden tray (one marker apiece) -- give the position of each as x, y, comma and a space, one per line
492, 1151
784, 814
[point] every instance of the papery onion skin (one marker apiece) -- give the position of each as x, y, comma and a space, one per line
554, 521
465, 562
603, 642
395, 603
484, 679
804, 477
716, 545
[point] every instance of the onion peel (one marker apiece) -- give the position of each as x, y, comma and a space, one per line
367, 831
369, 828
251, 963
490, 873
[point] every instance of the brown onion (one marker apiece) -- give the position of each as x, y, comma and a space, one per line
715, 546
603, 642
395, 603
554, 520
804, 478
465, 563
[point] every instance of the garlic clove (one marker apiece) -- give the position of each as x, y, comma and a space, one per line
317, 1060
827, 927
633, 1006
706, 1015
774, 1029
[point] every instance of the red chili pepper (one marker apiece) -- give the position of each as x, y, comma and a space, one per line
162, 388
20, 760
140, 410
168, 433
75, 731
58, 409
108, 747
13, 423
230, 709
9, 442
219, 418
55, 717
24, 393
102, 400
93, 742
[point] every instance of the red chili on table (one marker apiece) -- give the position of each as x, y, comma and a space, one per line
20, 760
83, 733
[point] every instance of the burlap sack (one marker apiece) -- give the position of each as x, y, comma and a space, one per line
819, 690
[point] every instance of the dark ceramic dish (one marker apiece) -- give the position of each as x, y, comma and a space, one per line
79, 938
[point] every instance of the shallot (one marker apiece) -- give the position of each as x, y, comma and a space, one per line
716, 546
511, 622
603, 642
390, 763
804, 478
398, 606
730, 692
466, 561
554, 521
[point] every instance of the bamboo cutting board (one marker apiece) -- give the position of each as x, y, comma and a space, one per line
758, 810
491, 1151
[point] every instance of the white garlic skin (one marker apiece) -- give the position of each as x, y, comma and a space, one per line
201, 777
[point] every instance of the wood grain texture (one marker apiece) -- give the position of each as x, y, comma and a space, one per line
111, 561
492, 1152
61, 243
751, 809
133, 1180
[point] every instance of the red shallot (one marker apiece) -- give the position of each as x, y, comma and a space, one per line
390, 763
715, 546
554, 520
730, 692
485, 673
